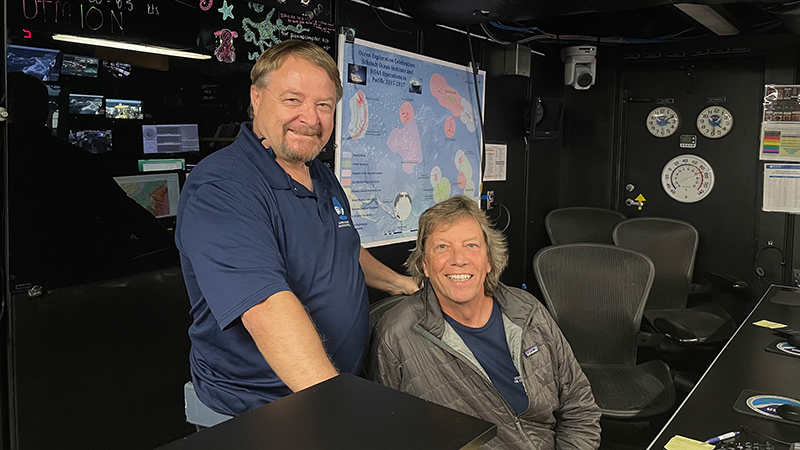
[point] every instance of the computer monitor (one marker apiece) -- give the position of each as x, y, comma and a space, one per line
117, 69
156, 192
124, 109
170, 138
86, 104
93, 141
81, 66
43, 63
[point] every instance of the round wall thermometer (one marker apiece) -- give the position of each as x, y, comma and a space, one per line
663, 121
687, 178
714, 122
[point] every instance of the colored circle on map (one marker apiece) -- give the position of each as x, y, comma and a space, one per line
462, 180
469, 191
402, 206
460, 159
436, 176
406, 113
442, 190
449, 126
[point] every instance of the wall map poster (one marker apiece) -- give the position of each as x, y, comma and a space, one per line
408, 137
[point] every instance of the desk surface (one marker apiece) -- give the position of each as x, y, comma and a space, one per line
742, 364
346, 412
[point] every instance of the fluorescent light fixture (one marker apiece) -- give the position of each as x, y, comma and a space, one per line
708, 18
128, 46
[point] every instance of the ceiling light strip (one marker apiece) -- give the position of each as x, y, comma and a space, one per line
128, 46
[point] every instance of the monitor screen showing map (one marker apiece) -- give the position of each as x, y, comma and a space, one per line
124, 109
43, 63
86, 104
81, 66
170, 139
157, 192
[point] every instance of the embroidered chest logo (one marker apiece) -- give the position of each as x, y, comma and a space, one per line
343, 222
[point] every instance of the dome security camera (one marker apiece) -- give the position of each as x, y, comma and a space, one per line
580, 66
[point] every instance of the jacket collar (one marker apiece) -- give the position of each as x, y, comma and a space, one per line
511, 304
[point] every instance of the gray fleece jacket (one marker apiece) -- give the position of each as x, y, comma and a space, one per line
416, 351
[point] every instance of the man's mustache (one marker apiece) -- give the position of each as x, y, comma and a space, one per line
303, 130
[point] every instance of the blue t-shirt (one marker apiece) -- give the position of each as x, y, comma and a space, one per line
490, 347
246, 230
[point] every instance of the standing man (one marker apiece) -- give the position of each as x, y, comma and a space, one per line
273, 266
470, 343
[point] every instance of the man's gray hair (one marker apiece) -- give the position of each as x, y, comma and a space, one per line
444, 214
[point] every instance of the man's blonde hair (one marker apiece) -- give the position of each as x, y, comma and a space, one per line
446, 213
273, 58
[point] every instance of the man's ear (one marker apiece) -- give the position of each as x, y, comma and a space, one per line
425, 269
255, 97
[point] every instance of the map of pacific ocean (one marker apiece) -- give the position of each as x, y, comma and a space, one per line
409, 137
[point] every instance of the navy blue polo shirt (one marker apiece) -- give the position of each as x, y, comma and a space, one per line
246, 231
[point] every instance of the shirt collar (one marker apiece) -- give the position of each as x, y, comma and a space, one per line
273, 172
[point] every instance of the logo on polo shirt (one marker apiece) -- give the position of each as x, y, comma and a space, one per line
338, 208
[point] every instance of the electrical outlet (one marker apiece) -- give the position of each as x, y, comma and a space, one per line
796, 277
489, 200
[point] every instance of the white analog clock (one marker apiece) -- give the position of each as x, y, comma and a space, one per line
714, 122
687, 178
663, 121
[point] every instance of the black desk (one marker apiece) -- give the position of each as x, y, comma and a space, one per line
345, 412
742, 364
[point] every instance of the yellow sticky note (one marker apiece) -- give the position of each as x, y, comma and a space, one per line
768, 324
682, 443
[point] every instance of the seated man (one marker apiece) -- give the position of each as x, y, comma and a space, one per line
467, 342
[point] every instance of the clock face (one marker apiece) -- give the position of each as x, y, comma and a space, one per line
687, 178
714, 122
663, 121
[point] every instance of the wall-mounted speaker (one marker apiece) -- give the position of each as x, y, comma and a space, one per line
543, 118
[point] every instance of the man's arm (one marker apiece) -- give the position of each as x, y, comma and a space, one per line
378, 276
286, 336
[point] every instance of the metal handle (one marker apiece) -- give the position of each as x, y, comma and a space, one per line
631, 202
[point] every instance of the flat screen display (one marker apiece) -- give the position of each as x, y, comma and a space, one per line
43, 63
124, 109
170, 139
157, 193
93, 141
80, 66
86, 104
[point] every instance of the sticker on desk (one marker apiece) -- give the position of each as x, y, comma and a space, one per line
682, 443
769, 324
754, 403
783, 348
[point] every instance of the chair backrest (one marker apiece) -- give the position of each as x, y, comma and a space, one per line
379, 308
672, 245
596, 293
581, 224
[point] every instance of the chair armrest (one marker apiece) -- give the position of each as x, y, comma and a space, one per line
727, 283
647, 339
676, 331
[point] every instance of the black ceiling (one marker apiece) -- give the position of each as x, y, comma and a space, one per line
633, 19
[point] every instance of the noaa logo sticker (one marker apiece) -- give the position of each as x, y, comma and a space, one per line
766, 404
338, 208
784, 347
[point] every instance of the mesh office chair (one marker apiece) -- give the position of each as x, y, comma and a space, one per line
581, 224
672, 245
596, 293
